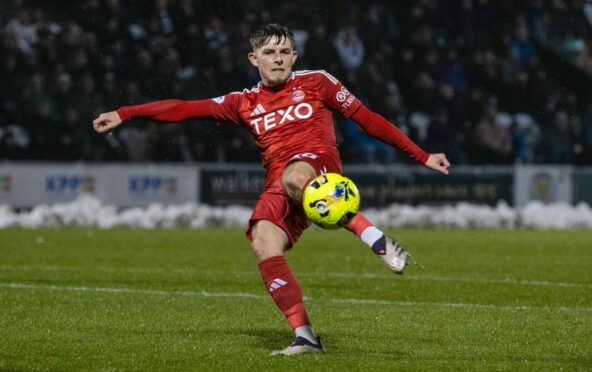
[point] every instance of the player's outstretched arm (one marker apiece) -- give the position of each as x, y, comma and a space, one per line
168, 111
377, 126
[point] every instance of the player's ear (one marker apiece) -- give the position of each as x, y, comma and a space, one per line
253, 59
294, 56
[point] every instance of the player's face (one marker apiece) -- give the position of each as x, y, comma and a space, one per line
274, 61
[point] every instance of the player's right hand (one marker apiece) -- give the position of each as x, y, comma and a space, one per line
107, 121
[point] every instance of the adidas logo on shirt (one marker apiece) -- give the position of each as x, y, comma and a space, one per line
258, 110
277, 283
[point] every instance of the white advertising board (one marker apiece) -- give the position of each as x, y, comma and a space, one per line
25, 185
547, 184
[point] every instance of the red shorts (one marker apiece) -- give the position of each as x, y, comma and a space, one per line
276, 206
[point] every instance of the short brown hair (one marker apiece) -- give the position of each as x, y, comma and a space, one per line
265, 33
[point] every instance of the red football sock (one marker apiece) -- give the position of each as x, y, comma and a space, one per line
284, 289
358, 224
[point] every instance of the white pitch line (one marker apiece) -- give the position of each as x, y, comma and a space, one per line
350, 301
435, 278
132, 290
542, 283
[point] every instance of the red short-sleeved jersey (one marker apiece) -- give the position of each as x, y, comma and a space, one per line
297, 118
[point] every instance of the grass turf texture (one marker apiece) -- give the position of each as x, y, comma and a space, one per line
76, 298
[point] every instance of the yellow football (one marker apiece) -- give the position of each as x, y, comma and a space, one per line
331, 200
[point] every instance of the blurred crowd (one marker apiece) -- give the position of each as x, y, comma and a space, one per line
477, 79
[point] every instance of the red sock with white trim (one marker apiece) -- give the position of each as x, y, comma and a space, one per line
365, 230
284, 289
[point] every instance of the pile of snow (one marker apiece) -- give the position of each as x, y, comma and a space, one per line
89, 211
462, 215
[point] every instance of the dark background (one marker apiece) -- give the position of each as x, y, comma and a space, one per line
487, 82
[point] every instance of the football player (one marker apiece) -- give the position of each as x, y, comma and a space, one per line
290, 116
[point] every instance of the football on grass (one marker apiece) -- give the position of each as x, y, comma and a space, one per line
331, 200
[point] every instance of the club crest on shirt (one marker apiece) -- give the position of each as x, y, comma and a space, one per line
297, 95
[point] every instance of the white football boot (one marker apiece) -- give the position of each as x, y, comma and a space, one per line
394, 255
301, 346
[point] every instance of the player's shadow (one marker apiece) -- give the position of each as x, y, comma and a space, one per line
273, 339
269, 338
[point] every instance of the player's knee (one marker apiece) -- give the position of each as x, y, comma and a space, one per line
264, 250
295, 178
266, 241
294, 183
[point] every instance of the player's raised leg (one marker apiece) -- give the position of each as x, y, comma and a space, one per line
269, 243
294, 179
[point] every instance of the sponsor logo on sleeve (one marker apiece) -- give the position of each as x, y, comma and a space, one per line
348, 103
219, 100
342, 94
345, 98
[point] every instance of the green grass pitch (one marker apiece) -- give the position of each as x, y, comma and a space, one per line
182, 299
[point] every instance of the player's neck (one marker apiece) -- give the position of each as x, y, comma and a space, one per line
273, 88
270, 87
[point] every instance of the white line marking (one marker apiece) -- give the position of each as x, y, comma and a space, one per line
542, 283
332, 78
435, 278
351, 301
131, 290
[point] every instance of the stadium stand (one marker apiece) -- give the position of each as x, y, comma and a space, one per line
488, 82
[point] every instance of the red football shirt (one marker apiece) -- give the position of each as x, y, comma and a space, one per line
296, 118
293, 119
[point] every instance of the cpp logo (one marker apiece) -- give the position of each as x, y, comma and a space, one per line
5, 184
152, 185
69, 184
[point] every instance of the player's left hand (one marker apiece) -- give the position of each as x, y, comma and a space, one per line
438, 162
107, 121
